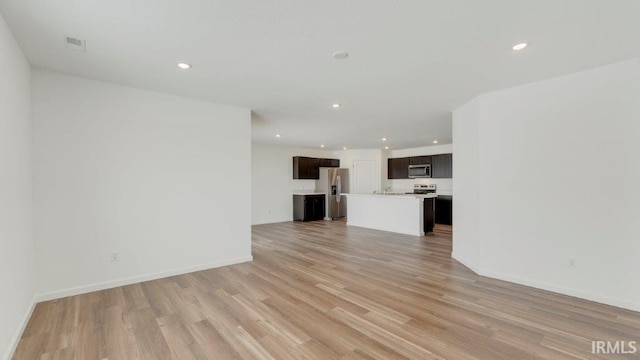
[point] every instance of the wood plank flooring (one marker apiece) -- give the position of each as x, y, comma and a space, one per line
323, 290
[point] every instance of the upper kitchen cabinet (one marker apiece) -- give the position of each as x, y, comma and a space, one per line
309, 168
306, 168
442, 166
329, 162
398, 168
420, 160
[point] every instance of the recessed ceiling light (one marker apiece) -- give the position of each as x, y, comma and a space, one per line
344, 148
519, 46
184, 66
335, 106
322, 146
384, 139
435, 141
277, 135
340, 55
386, 148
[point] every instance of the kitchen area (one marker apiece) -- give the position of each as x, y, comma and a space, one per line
411, 213
413, 192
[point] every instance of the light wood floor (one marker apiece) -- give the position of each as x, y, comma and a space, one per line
323, 290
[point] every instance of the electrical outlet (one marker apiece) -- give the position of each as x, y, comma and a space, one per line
115, 257
572, 263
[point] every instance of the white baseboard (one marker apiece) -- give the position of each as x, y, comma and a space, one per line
466, 263
136, 279
16, 337
564, 291
272, 221
551, 287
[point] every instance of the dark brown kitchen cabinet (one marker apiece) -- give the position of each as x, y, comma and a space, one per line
444, 207
329, 162
429, 214
314, 168
308, 207
309, 168
398, 168
306, 168
419, 160
442, 166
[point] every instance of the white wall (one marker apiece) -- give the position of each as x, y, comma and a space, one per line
17, 269
348, 157
444, 186
162, 180
272, 183
557, 180
466, 246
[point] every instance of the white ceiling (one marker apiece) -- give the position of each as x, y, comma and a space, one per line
411, 62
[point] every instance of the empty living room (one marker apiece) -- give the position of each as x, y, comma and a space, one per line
367, 179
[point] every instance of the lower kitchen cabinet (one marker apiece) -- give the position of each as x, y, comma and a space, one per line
444, 207
429, 214
308, 207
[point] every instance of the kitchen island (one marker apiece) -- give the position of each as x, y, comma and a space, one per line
400, 213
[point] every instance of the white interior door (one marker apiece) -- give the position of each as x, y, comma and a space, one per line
364, 176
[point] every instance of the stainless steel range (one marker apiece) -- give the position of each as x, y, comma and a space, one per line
424, 188
429, 204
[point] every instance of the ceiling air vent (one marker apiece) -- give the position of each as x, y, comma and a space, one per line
75, 44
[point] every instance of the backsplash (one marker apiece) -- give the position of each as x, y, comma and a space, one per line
444, 186
303, 185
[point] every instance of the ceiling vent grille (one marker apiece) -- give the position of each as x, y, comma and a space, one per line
75, 44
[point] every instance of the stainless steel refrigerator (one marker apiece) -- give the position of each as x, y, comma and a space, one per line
335, 183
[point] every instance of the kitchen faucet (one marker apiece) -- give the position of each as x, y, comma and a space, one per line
384, 191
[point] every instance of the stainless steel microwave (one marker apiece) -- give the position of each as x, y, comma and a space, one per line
420, 171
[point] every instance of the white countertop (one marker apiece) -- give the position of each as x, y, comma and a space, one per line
308, 193
443, 191
398, 195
